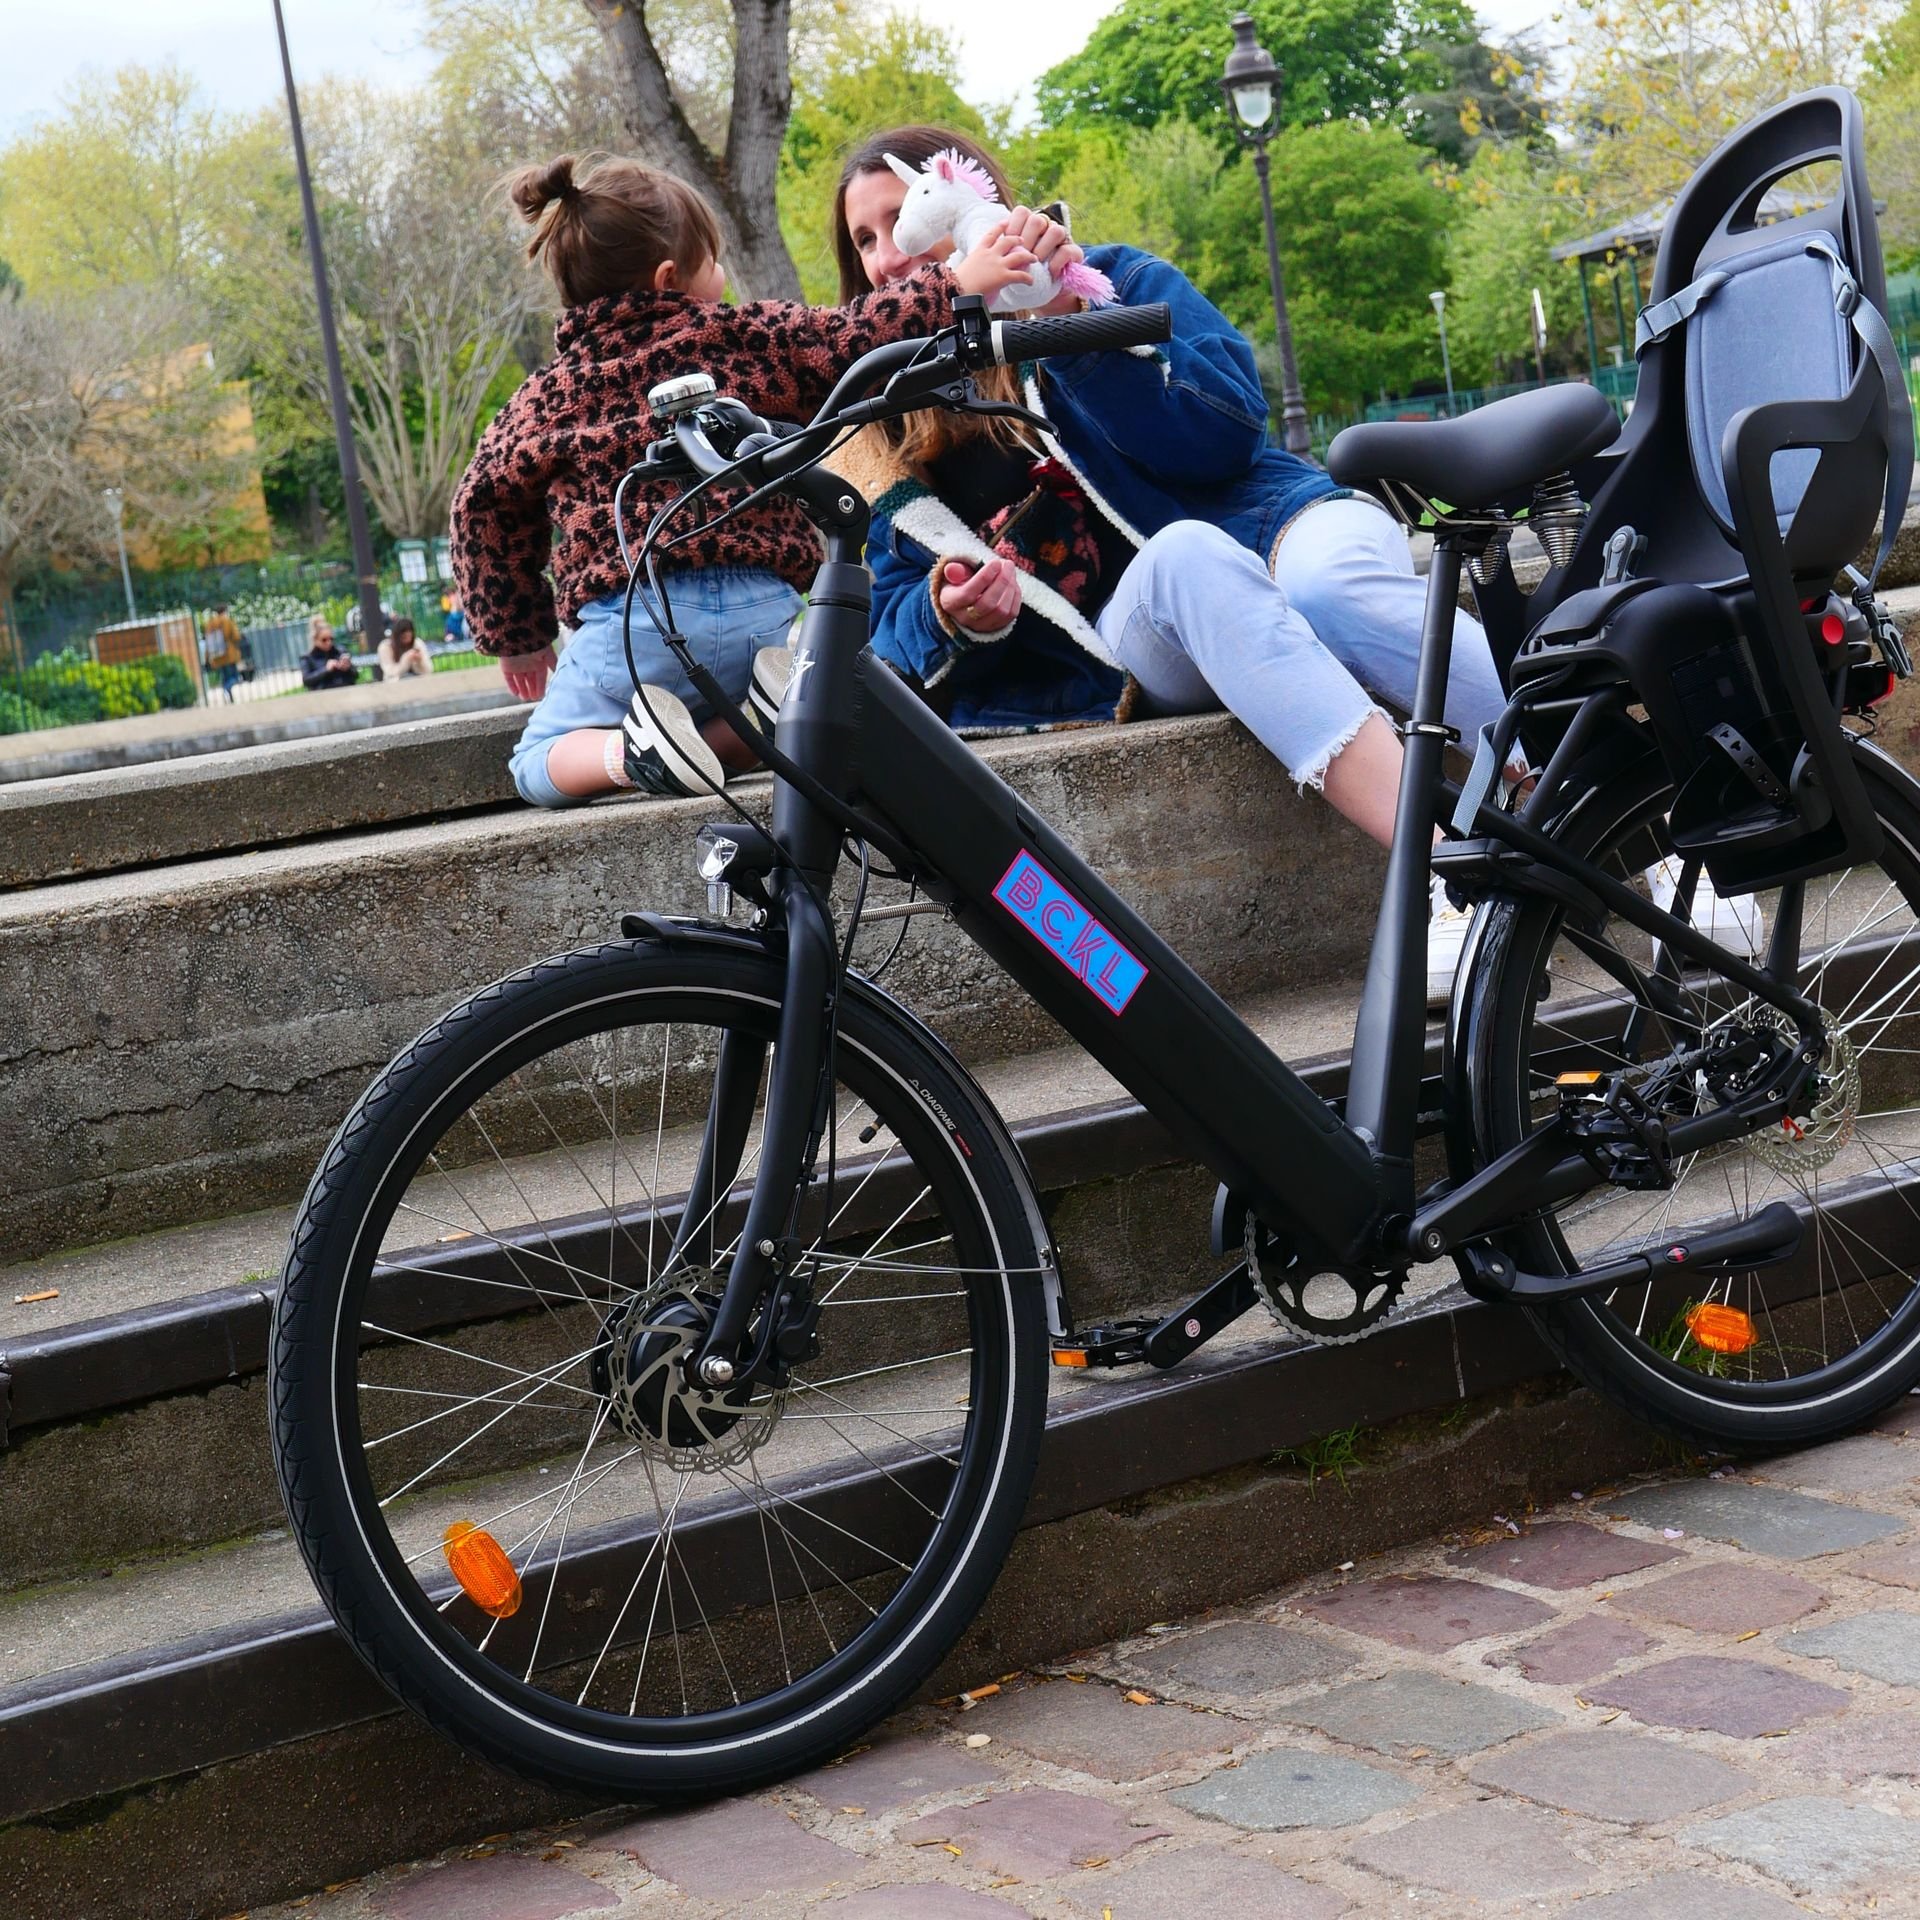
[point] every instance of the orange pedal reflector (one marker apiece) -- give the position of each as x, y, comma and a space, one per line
1582, 1079
480, 1564
1069, 1356
1722, 1329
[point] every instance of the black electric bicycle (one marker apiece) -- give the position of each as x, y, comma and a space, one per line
663, 1350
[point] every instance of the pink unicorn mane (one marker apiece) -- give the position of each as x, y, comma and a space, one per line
951, 164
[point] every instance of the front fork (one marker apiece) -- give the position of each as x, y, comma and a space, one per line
814, 729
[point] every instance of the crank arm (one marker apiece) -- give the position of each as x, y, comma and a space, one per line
1162, 1343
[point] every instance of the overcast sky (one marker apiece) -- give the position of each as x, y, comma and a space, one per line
230, 46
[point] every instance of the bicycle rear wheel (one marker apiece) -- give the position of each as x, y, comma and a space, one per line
529, 1524
1815, 1345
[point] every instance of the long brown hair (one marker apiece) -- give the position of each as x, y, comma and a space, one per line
607, 230
923, 437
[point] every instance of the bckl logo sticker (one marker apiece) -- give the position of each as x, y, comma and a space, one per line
1070, 933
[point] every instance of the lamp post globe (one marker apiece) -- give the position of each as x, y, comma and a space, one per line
1251, 84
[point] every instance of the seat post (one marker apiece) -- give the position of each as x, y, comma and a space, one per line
1383, 1085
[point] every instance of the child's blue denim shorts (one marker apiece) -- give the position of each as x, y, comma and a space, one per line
726, 615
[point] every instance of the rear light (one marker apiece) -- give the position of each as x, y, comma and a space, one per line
480, 1564
1721, 1329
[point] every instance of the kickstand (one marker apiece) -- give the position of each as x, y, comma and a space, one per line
1160, 1343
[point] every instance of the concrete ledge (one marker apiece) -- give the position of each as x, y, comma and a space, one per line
182, 1041
255, 795
191, 730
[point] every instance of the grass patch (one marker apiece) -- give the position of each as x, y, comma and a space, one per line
1329, 1457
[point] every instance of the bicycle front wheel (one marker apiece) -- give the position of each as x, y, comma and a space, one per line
1787, 1355
528, 1523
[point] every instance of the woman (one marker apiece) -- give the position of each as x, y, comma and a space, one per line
1155, 555
323, 664
401, 652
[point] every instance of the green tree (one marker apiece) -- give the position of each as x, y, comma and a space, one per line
1891, 93
1488, 94
861, 76
1512, 207
1363, 241
1655, 85
1154, 60
137, 181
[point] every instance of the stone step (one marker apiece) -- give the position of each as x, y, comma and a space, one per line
256, 795
192, 1711
151, 1350
186, 1038
149, 737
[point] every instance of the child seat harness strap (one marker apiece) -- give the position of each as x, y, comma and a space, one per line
1663, 316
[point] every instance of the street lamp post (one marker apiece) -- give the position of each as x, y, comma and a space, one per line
1439, 300
368, 581
1539, 339
1252, 84
117, 506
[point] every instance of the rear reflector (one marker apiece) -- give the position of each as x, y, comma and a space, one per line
1722, 1329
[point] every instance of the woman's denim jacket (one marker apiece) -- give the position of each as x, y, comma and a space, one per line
1177, 434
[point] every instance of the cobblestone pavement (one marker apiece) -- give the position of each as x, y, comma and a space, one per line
1697, 1700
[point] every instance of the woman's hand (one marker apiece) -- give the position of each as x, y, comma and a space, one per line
1047, 240
981, 599
998, 261
526, 673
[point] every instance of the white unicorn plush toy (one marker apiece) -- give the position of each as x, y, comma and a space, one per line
955, 197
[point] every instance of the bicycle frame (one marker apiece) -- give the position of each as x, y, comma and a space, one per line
1343, 1191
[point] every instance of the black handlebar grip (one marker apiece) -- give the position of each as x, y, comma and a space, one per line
1099, 330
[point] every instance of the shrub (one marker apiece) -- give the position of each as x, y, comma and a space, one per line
172, 683
22, 716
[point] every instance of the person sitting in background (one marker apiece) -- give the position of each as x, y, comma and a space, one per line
323, 664
402, 653
454, 631
220, 648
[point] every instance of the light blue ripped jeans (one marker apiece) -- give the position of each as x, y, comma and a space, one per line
726, 614
1199, 622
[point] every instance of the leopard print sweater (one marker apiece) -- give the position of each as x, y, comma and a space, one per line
539, 491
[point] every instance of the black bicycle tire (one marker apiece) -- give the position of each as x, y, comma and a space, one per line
315, 1486
1578, 1332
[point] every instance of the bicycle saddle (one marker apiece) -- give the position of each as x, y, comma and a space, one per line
1482, 456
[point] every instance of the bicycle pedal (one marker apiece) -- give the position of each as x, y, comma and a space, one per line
1615, 1131
1116, 1343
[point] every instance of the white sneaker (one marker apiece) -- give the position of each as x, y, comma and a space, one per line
665, 751
1735, 923
767, 688
1446, 940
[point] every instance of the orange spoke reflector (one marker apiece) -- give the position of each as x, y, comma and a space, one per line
1585, 1078
1069, 1357
1722, 1329
480, 1564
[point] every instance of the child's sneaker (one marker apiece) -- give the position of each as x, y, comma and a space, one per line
1736, 924
767, 689
1446, 939
665, 751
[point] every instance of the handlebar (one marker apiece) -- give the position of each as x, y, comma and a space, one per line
1099, 330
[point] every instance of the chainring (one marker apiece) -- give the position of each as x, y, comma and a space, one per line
1295, 1291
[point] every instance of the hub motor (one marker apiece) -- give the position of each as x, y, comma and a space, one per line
651, 1396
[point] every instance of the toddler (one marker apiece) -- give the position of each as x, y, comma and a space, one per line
634, 255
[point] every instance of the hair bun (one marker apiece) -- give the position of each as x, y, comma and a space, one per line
534, 189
